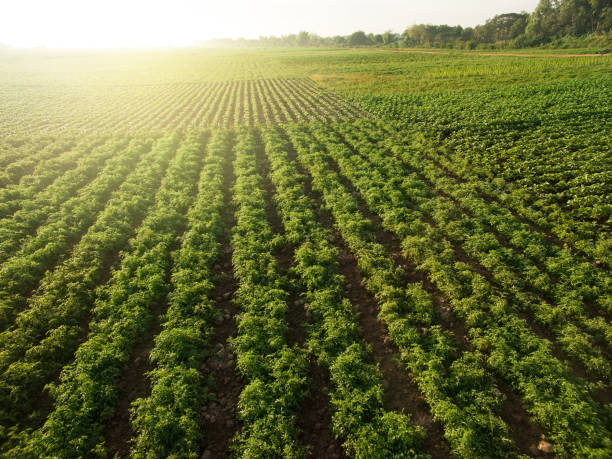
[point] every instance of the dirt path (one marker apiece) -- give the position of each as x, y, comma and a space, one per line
219, 414
478, 53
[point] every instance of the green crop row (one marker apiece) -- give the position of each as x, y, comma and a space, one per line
45, 335
542, 150
14, 197
574, 284
555, 400
461, 393
123, 312
357, 396
176, 106
478, 242
18, 163
15, 149
167, 422
275, 373
55, 238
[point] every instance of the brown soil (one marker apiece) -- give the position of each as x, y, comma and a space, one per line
417, 51
523, 431
219, 415
402, 394
314, 419
132, 384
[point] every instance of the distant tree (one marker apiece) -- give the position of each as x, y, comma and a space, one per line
502, 27
467, 34
544, 23
358, 38
579, 17
551, 20
339, 40
388, 37
414, 35
316, 40
303, 38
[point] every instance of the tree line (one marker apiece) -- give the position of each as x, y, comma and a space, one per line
558, 22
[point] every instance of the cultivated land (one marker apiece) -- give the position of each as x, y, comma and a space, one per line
321, 253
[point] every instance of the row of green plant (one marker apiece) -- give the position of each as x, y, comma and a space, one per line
556, 400
588, 239
38, 187
18, 148
509, 272
359, 418
36, 212
461, 394
15, 196
124, 311
588, 280
45, 335
275, 374
167, 423
33, 256
19, 162
177, 106
553, 270
542, 150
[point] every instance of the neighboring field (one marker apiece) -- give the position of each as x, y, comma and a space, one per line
209, 254
173, 106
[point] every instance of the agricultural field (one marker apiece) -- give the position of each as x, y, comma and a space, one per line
305, 253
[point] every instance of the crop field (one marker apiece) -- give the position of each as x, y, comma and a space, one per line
182, 106
305, 253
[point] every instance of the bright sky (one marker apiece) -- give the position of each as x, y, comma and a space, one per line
150, 23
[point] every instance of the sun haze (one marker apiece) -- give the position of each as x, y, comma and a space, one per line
155, 23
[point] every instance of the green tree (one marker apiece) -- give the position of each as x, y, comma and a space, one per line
303, 38
358, 38
388, 37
